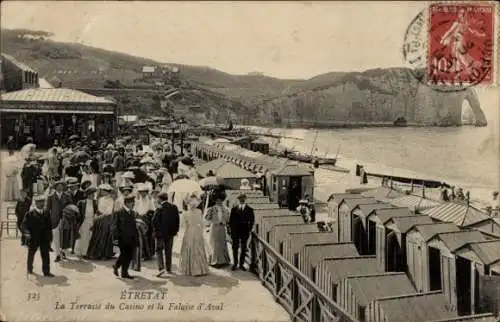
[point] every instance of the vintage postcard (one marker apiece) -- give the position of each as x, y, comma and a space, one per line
316, 161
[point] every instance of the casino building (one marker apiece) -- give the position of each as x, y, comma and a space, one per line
49, 113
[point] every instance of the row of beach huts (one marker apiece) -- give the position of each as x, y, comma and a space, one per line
379, 261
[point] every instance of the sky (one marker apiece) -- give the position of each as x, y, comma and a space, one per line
280, 39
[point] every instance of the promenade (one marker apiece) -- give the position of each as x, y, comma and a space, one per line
88, 291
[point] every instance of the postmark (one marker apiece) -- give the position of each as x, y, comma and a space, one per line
450, 46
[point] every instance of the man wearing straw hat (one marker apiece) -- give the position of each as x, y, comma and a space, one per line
56, 202
37, 231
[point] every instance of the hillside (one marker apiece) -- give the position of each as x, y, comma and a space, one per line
372, 96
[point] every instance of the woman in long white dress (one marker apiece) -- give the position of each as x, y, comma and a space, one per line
11, 171
88, 209
218, 216
193, 257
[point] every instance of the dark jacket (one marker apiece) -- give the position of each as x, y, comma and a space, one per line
38, 225
22, 207
124, 228
119, 163
241, 221
77, 196
29, 175
55, 207
166, 221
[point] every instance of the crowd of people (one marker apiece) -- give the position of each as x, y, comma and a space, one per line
105, 200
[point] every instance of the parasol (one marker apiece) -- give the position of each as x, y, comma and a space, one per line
80, 157
212, 182
180, 189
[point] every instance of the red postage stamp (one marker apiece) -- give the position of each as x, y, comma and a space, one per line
461, 44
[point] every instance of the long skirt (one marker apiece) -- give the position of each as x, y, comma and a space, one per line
219, 254
69, 234
82, 244
101, 241
193, 258
12, 188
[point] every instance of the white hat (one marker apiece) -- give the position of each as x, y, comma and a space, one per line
128, 175
105, 187
109, 146
142, 187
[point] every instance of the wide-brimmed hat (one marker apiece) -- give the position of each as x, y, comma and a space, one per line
128, 175
39, 198
58, 182
109, 146
105, 187
142, 187
126, 187
242, 196
303, 201
71, 181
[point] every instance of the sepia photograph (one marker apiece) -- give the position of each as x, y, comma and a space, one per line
249, 161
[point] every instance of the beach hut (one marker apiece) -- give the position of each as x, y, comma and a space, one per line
213, 165
417, 254
395, 240
354, 293
485, 317
442, 264
416, 307
268, 222
359, 227
279, 233
346, 206
383, 193
271, 212
251, 199
488, 225
259, 146
312, 254
264, 206
232, 175
477, 267
414, 203
293, 244
376, 234
333, 207
459, 213
296, 180
332, 270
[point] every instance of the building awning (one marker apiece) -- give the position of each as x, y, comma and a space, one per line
53, 95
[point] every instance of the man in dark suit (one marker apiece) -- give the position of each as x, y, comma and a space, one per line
55, 204
37, 231
22, 207
166, 225
240, 224
125, 235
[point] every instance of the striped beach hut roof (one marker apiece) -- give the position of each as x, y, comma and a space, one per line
404, 224
458, 213
457, 239
413, 202
383, 193
366, 209
371, 287
431, 230
352, 202
340, 268
488, 252
385, 214
293, 170
231, 171
213, 165
417, 307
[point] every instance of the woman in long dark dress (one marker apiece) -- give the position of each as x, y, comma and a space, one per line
101, 241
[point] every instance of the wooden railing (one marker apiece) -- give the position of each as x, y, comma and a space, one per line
298, 295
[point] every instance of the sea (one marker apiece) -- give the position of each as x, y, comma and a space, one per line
466, 157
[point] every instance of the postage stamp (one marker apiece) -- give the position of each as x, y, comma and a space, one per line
451, 46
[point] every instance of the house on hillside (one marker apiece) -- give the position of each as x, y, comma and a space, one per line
148, 71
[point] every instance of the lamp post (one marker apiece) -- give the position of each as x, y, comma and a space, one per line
182, 124
173, 125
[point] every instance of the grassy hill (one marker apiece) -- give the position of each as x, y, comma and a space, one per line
379, 95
